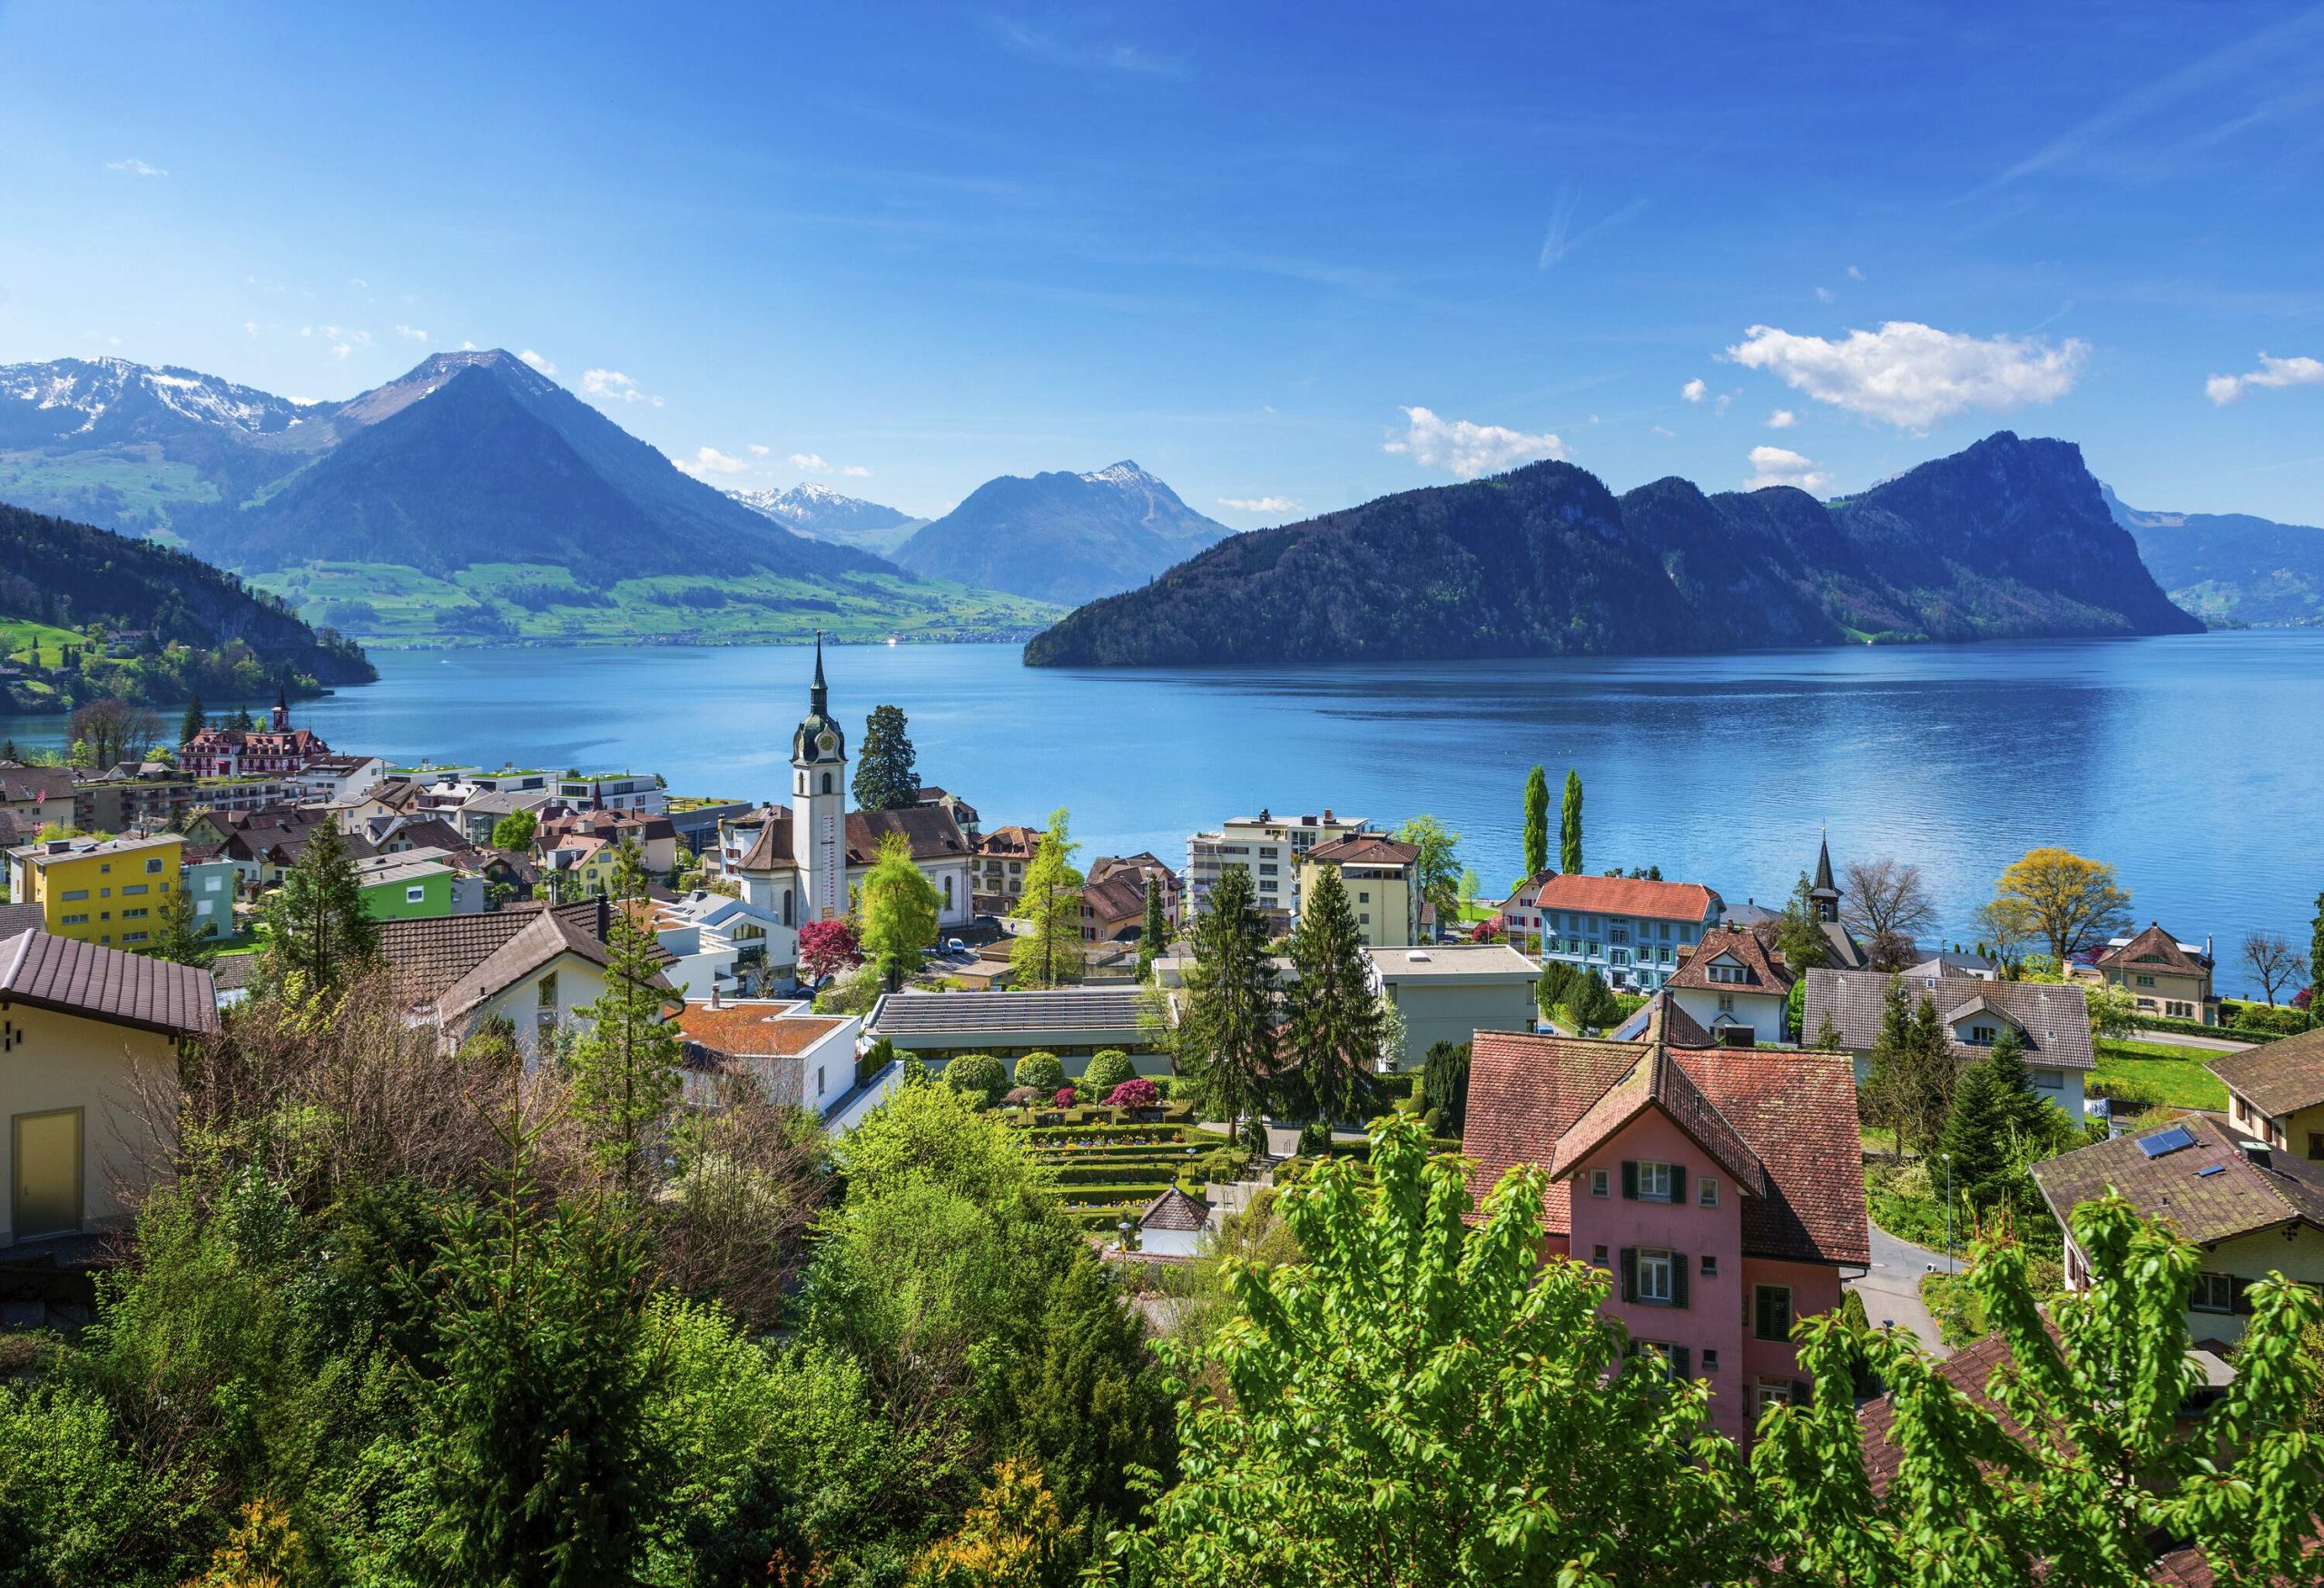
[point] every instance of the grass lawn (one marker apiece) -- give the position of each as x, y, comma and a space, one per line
2157, 1076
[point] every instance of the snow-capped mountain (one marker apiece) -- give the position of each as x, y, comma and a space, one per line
97, 402
825, 514
1062, 536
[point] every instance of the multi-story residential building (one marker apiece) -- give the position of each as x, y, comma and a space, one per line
720, 944
2275, 1093
535, 967
412, 887
1722, 1189
477, 816
2168, 978
1270, 847
2051, 1021
1449, 991
612, 791
2253, 1209
1377, 873
696, 820
107, 892
1113, 908
997, 867
1736, 987
276, 749
213, 884
336, 779
32, 797
1633, 931
114, 804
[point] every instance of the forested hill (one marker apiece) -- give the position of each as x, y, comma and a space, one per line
73, 576
2007, 540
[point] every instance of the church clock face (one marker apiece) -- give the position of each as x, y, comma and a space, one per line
827, 741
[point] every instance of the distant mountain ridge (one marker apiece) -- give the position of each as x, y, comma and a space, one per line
822, 513
2009, 538
2230, 567
1062, 536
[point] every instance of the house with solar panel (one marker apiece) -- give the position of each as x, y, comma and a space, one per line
1076, 1024
2255, 1210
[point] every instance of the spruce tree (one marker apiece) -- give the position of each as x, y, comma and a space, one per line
1050, 955
1799, 935
1570, 825
625, 1064
1154, 938
1537, 822
193, 721
319, 934
1227, 1038
1333, 1015
177, 934
2316, 965
1977, 1139
886, 777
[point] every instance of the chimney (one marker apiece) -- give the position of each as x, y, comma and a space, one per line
605, 918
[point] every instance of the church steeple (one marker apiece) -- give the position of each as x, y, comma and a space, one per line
819, 694
1825, 891
281, 724
819, 741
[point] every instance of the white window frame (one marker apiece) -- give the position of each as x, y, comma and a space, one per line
1659, 1262
1598, 1183
1659, 1190
1707, 1196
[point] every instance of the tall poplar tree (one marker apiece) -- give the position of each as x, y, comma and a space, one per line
899, 911
2316, 964
1154, 938
318, 935
624, 1062
1570, 825
1050, 955
1537, 822
1333, 1015
887, 777
1227, 1038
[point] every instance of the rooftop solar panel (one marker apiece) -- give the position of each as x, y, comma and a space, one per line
2163, 1141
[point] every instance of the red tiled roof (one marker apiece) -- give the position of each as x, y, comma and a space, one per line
1524, 1093
1658, 1080
1119, 897
1763, 971
2156, 948
1627, 896
754, 1031
1010, 842
1364, 849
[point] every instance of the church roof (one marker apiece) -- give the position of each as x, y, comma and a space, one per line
933, 833
1824, 867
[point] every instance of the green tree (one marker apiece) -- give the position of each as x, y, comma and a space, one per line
1422, 1401
1048, 954
2316, 962
1570, 825
1041, 1071
1909, 1084
1998, 1126
1554, 989
979, 1076
1537, 822
193, 721
1332, 1012
886, 778
899, 911
625, 1060
1154, 937
2085, 1452
1800, 933
1444, 1083
1436, 870
1592, 1003
1227, 1040
1107, 1070
318, 936
2069, 903
177, 931
514, 831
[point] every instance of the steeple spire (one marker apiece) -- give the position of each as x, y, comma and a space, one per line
1825, 891
819, 696
1823, 859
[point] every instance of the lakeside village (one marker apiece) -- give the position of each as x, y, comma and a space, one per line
1751, 1123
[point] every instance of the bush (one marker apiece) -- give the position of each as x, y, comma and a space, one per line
1222, 1163
977, 1076
1137, 1092
1314, 1139
1107, 1071
1063, 1097
1040, 1072
876, 1058
1019, 1096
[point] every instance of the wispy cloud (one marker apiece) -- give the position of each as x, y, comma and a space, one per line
811, 462
2272, 371
1693, 391
1912, 375
135, 167
1464, 449
411, 333
251, 326
1783, 418
1826, 295
1100, 54
856, 471
708, 462
1260, 504
1562, 239
1782, 465
614, 386
342, 340
537, 362
1855, 274
759, 451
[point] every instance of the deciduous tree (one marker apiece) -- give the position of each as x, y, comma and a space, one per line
2271, 961
1887, 905
1048, 954
899, 911
107, 731
2068, 903
1333, 1014
886, 777
827, 948
514, 831
1537, 822
1570, 825
1436, 870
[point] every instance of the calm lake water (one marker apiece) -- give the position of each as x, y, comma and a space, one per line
2189, 762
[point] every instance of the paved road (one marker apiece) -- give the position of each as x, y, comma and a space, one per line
2182, 1040
1892, 1289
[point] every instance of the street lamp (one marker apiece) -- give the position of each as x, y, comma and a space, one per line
1948, 1212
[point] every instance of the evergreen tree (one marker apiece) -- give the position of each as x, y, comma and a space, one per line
318, 935
242, 721
886, 778
193, 721
625, 1064
1995, 1121
1537, 822
899, 911
1444, 1083
1799, 935
1153, 939
1912, 1079
1593, 1003
1333, 1014
1226, 1039
2316, 964
177, 932
1553, 990
1570, 825
1050, 955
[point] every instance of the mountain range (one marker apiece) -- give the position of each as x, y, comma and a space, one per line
821, 513
2230, 568
2009, 538
1064, 537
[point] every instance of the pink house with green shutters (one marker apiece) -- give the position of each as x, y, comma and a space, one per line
1721, 1188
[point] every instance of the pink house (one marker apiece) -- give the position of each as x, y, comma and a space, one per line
1722, 1188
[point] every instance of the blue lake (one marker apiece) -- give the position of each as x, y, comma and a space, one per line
2189, 763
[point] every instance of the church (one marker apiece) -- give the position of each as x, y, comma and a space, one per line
803, 863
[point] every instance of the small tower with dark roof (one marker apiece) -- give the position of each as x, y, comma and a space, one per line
1825, 891
280, 720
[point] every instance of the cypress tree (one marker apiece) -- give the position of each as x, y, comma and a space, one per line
1334, 1017
318, 935
1154, 938
887, 777
1444, 1083
193, 721
1537, 822
1570, 825
1226, 1039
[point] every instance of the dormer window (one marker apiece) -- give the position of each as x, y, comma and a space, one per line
1726, 970
1980, 1037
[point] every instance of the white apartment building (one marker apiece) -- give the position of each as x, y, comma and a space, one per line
1271, 848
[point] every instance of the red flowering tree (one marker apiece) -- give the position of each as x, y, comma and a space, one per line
827, 948
1137, 1092
1065, 1098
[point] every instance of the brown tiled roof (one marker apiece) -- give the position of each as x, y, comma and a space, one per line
933, 833
1116, 898
1142, 863
771, 850
428, 956
1174, 1209
2054, 1017
753, 1030
1658, 1080
1010, 842
104, 983
1797, 1111
2277, 1077
23, 785
548, 935
2238, 1197
1627, 896
1364, 849
17, 918
2156, 948
1763, 971
1971, 1369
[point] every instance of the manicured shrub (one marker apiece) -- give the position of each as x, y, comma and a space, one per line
1107, 1071
977, 1076
1041, 1071
1314, 1139
1137, 1092
1063, 1097
1019, 1096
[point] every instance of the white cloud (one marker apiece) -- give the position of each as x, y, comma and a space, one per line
759, 451
537, 362
707, 462
1724, 399
358, 283
1465, 449
1693, 390
1855, 274
2272, 371
1783, 418
135, 167
856, 471
1911, 375
251, 326
1260, 504
343, 341
1561, 238
1659, 430
466, 346
411, 333
613, 385
1781, 466
1826, 295
812, 462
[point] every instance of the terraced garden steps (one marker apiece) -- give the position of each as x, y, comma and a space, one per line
1109, 1172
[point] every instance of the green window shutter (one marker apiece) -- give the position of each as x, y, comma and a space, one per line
1629, 1181
2239, 1296
1803, 1393
1630, 1270
1679, 1184
1679, 1281
1682, 1362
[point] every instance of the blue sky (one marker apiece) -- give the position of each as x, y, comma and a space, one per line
1289, 257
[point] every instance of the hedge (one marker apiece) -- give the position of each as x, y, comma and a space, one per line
2195, 1028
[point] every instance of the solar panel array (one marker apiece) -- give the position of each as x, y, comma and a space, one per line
2163, 1141
1063, 1010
